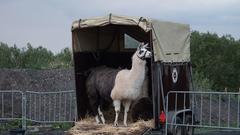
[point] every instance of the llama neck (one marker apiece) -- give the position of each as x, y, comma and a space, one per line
138, 66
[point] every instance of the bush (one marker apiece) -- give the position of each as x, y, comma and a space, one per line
33, 58
217, 59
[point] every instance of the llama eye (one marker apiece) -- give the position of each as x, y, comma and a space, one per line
141, 51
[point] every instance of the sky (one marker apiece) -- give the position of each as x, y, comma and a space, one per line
48, 23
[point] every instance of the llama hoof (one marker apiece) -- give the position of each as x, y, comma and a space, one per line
97, 120
125, 124
115, 124
103, 122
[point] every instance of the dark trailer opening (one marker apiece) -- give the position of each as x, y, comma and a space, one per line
111, 40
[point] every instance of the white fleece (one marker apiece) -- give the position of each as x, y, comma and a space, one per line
129, 83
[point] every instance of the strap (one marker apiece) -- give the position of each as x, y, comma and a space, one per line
79, 22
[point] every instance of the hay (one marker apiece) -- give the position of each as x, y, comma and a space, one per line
88, 126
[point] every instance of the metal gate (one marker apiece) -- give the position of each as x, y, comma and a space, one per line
51, 107
40, 107
13, 106
204, 109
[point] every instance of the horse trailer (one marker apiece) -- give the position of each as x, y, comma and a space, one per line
111, 41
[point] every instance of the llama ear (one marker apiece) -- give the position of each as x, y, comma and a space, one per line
146, 46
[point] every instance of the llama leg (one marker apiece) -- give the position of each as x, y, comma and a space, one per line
97, 119
101, 115
117, 107
126, 105
94, 106
95, 113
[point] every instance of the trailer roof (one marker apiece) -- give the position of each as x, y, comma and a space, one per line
171, 41
112, 19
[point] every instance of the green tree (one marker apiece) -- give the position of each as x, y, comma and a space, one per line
63, 59
5, 56
37, 58
216, 58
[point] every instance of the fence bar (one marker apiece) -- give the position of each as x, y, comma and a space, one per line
55, 107
53, 92
176, 98
24, 125
51, 122
65, 106
49, 108
2, 105
201, 109
238, 112
210, 105
60, 102
30, 106
184, 107
12, 103
35, 106
40, 106
203, 92
219, 110
166, 127
192, 106
70, 111
44, 105
229, 101
75, 108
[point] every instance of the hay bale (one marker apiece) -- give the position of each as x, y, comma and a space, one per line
88, 126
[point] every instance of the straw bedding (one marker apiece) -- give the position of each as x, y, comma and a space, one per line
88, 126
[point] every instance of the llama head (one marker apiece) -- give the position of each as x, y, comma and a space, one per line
143, 52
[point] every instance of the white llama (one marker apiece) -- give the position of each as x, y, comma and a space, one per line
129, 83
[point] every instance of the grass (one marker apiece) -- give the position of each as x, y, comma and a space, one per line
204, 130
62, 126
8, 125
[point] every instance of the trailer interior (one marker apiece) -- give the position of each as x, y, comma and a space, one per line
111, 46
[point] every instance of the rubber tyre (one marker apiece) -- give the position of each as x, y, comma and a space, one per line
188, 130
178, 130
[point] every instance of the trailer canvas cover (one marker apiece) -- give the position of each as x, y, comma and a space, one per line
171, 41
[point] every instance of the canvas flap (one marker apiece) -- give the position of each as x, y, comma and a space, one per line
171, 41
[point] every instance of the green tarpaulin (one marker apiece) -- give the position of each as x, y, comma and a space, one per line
171, 41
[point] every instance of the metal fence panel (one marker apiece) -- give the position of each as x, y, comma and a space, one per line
210, 109
51, 107
12, 106
40, 107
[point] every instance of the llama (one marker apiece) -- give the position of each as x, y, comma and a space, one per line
129, 83
99, 85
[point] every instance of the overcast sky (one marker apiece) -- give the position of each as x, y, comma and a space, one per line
48, 22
